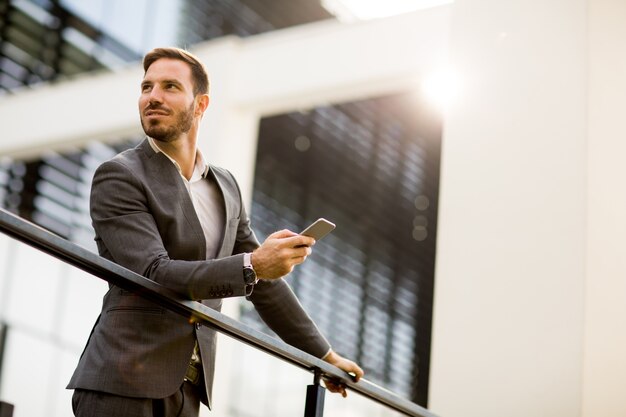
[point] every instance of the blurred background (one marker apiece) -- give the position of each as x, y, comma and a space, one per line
468, 151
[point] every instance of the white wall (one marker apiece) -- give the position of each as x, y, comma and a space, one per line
605, 314
511, 245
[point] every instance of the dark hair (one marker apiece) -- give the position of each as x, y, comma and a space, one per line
198, 72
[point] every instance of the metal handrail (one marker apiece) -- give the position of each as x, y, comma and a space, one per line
93, 264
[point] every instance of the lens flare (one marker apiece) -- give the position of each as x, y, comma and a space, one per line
442, 87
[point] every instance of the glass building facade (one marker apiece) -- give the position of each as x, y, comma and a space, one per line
370, 166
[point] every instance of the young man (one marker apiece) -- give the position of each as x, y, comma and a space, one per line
160, 210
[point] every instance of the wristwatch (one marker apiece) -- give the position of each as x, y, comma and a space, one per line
249, 276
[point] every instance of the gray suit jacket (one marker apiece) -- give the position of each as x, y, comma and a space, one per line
145, 221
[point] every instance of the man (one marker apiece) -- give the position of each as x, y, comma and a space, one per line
160, 210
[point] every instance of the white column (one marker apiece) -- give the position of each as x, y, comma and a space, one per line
605, 335
508, 320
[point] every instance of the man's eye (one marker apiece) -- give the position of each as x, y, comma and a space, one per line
145, 88
170, 86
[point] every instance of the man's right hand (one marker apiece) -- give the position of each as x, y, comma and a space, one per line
280, 253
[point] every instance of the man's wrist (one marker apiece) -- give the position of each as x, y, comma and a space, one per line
247, 259
326, 356
249, 274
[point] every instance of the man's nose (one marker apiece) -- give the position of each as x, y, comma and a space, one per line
155, 95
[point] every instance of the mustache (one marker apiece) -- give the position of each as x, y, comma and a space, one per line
156, 106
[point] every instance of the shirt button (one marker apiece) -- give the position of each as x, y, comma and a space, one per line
198, 325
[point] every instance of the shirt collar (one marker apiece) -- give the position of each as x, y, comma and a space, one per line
200, 169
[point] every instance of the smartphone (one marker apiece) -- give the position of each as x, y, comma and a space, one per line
318, 229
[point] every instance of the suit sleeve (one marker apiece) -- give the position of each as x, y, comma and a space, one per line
282, 312
127, 233
278, 306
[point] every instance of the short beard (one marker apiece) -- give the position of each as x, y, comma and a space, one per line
155, 130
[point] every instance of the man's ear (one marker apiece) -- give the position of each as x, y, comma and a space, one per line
202, 103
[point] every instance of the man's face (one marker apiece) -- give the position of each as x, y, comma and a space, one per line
166, 103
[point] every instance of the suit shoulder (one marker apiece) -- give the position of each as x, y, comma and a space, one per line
223, 174
130, 159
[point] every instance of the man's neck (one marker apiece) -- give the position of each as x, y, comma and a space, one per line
183, 151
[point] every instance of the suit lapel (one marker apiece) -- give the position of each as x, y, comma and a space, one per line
227, 208
163, 171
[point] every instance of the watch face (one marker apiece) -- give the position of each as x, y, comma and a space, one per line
249, 276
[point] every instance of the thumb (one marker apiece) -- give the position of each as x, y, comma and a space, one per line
282, 234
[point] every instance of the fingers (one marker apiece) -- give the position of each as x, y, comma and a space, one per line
282, 234
300, 241
335, 387
344, 364
350, 367
280, 253
302, 252
355, 370
290, 239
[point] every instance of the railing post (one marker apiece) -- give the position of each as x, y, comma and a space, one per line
6, 409
314, 406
